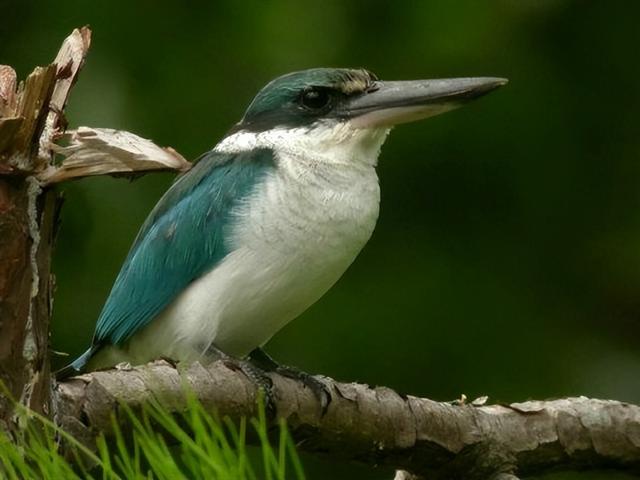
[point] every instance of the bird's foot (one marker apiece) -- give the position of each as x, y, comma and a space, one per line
261, 379
254, 373
260, 358
317, 387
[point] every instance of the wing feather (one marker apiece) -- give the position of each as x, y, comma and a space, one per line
183, 238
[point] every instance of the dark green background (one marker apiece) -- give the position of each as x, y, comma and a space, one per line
506, 261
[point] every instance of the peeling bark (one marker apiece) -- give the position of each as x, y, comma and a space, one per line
378, 426
102, 151
30, 116
31, 120
26, 232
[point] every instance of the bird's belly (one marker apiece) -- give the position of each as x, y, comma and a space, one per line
261, 293
243, 302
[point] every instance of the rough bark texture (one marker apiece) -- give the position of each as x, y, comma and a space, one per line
378, 426
30, 117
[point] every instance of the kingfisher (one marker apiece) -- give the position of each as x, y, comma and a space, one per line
264, 223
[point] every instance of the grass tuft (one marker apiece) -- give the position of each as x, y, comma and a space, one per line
158, 445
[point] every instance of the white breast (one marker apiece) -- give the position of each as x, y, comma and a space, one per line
295, 240
292, 240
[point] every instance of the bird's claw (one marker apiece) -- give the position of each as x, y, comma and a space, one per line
260, 379
317, 387
256, 374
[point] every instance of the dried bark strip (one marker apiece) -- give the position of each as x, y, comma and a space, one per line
103, 151
377, 426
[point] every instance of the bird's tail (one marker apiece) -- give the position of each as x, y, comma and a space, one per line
77, 366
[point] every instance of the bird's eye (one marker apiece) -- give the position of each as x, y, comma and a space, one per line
315, 98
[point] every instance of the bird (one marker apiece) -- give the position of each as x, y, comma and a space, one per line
265, 223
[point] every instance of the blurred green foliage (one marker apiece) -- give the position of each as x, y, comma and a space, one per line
506, 261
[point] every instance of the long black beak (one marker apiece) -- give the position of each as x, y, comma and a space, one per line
389, 103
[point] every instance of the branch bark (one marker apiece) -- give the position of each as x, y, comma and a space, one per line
377, 425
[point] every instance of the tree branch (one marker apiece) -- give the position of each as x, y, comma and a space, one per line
377, 425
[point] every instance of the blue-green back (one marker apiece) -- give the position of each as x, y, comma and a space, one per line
183, 238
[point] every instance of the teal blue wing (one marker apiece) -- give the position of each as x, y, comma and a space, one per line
183, 238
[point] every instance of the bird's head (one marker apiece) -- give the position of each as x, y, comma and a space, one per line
348, 111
